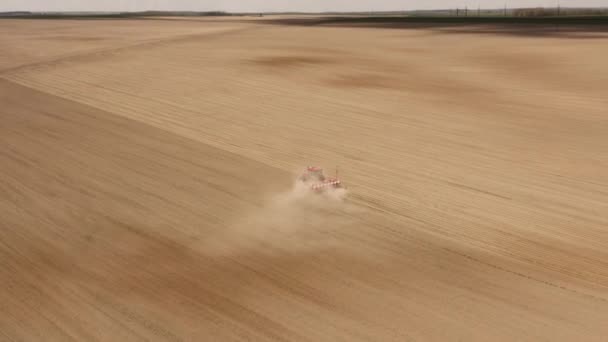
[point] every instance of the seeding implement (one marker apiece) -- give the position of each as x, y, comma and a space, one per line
318, 182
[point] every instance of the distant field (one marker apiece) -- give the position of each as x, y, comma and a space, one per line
146, 167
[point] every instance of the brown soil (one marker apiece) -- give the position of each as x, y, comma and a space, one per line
139, 175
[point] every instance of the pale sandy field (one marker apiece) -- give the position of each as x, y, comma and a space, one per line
146, 167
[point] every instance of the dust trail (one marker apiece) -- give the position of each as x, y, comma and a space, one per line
292, 221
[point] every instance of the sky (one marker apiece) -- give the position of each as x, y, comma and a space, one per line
278, 5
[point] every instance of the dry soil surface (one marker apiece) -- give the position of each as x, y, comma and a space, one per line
146, 170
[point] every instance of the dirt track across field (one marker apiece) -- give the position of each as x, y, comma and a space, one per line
146, 170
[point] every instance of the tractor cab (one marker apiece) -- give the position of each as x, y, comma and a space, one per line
313, 174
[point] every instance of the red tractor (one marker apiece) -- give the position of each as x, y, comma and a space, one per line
318, 182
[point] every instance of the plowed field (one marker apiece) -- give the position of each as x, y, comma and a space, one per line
146, 172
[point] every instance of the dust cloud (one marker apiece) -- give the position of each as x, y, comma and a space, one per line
294, 220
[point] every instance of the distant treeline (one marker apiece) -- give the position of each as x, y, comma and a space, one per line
182, 13
557, 11
25, 14
455, 12
512, 12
